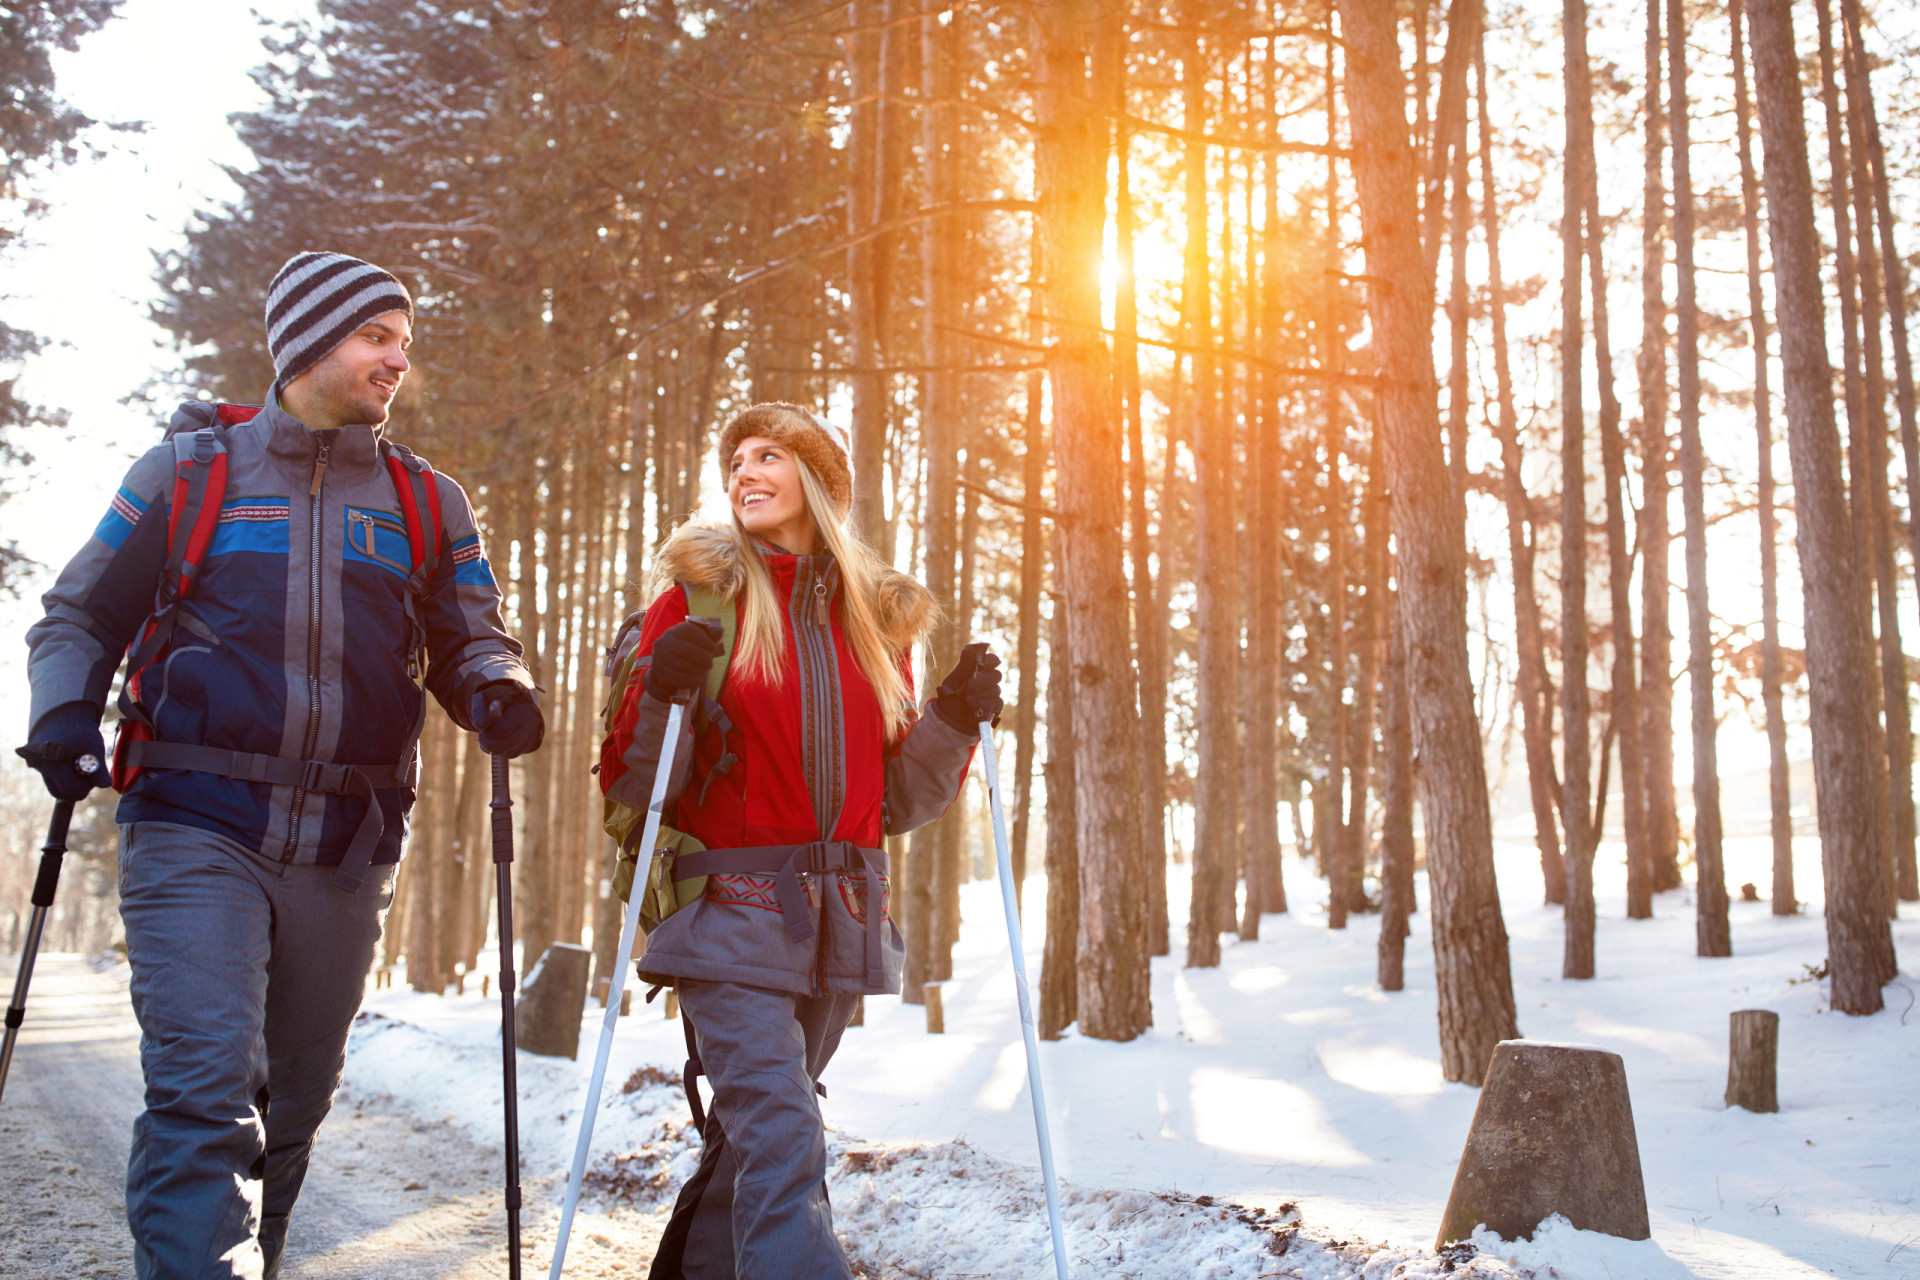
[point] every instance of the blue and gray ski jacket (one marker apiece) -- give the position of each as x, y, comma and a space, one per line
295, 640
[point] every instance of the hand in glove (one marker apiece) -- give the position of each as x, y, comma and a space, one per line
682, 657
970, 694
508, 719
64, 741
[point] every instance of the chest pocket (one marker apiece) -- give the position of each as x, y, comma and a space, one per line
378, 538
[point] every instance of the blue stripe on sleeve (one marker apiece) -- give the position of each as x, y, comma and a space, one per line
474, 573
122, 514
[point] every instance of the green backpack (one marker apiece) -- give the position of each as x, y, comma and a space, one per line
663, 894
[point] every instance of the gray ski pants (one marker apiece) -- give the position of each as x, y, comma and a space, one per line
756, 1209
246, 976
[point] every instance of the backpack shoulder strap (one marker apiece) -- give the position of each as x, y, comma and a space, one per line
707, 604
419, 507
193, 514
199, 490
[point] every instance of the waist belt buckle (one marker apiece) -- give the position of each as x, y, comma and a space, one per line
318, 775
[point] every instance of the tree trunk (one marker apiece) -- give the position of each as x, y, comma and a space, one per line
1656, 466
430, 846
928, 956
1396, 826
1330, 796
1059, 982
1908, 872
1267, 652
1215, 581
1623, 715
1849, 771
1449, 157
1470, 938
1576, 764
866, 311
1876, 492
1032, 563
1149, 619
942, 436
534, 917
1856, 379
1371, 636
1779, 784
1711, 933
1534, 684
1113, 999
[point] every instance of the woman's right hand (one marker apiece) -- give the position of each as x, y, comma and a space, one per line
682, 657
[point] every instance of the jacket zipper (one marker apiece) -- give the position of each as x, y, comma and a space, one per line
324, 447
817, 668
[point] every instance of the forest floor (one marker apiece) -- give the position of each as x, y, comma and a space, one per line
1283, 1118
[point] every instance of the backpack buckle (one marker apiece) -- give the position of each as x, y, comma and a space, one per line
328, 779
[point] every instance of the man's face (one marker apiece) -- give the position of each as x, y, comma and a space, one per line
357, 380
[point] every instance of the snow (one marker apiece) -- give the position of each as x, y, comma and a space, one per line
1284, 1116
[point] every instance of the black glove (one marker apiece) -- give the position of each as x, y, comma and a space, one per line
508, 719
682, 657
971, 692
63, 742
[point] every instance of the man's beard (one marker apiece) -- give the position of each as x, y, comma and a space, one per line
355, 399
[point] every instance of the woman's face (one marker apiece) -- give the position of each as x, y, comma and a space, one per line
764, 487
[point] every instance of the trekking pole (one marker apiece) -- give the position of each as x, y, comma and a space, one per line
502, 806
618, 984
990, 761
52, 853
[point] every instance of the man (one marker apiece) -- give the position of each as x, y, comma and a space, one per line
267, 753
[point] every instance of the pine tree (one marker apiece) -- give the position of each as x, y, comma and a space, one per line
1470, 943
1849, 771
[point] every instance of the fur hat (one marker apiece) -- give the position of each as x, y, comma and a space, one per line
813, 440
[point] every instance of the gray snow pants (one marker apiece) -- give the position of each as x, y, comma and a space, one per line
246, 976
756, 1208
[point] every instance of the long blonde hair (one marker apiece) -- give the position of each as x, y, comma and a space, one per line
760, 644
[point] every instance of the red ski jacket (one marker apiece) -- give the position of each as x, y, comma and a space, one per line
811, 764
811, 760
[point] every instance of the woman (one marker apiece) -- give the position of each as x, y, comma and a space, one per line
827, 756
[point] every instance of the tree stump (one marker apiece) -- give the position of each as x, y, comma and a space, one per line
936, 1017
1553, 1133
546, 1017
1753, 1050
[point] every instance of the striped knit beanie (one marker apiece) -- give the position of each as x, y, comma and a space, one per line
316, 301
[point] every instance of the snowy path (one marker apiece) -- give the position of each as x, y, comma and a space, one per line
388, 1197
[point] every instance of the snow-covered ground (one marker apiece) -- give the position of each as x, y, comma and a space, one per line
1284, 1117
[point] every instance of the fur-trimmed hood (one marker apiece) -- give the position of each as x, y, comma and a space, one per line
707, 556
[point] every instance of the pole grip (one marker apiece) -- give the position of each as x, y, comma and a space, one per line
502, 806
52, 853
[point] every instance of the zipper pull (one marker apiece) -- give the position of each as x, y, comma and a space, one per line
320, 466
813, 889
820, 600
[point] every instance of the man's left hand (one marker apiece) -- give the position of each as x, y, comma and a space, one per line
508, 719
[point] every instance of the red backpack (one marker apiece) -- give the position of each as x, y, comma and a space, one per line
199, 490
